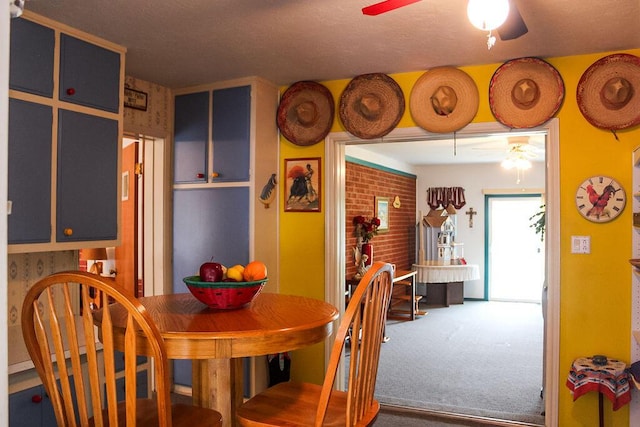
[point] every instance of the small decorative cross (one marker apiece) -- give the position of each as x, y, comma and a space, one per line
471, 213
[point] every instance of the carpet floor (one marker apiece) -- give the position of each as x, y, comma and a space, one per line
481, 359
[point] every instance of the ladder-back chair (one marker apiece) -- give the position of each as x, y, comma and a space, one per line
306, 404
58, 325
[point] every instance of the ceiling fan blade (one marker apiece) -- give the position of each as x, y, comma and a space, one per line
514, 26
386, 6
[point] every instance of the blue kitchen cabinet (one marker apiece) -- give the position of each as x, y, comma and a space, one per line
226, 148
31, 407
210, 220
82, 155
89, 74
31, 57
223, 157
87, 187
208, 223
231, 132
191, 136
29, 172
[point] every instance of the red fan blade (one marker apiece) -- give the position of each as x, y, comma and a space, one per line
385, 6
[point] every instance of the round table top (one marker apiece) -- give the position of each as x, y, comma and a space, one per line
271, 323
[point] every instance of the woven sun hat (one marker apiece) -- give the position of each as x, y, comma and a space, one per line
525, 92
371, 105
444, 99
305, 113
607, 94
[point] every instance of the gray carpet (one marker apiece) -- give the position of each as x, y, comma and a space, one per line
480, 358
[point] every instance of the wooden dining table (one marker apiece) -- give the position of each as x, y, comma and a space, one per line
217, 340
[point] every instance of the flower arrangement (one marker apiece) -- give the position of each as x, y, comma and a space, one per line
365, 230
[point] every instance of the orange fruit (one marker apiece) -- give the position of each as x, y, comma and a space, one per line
255, 270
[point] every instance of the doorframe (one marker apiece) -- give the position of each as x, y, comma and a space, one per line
335, 223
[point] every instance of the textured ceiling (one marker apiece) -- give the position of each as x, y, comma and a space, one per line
182, 43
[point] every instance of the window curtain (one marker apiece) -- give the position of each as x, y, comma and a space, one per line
445, 196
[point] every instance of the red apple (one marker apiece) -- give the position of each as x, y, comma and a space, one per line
211, 272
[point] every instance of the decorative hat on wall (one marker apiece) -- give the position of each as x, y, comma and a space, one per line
444, 99
525, 92
608, 92
371, 105
305, 114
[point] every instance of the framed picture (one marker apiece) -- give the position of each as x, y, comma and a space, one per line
382, 213
302, 185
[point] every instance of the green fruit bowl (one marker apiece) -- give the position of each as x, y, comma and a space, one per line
224, 295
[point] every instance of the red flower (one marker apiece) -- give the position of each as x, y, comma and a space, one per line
366, 229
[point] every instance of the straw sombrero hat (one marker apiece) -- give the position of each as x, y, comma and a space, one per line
305, 113
525, 92
444, 99
607, 92
371, 105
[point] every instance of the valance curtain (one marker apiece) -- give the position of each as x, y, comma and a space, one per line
445, 196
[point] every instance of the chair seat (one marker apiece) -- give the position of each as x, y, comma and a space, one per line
181, 415
295, 404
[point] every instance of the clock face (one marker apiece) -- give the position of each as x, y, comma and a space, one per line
600, 199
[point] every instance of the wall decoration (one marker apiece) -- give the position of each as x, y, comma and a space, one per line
302, 185
135, 99
396, 202
268, 191
382, 213
600, 198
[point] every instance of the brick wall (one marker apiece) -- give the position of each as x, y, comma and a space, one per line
362, 185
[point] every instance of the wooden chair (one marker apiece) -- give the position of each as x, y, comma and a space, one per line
58, 324
305, 404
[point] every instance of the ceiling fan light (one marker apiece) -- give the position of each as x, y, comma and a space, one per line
487, 15
523, 164
508, 164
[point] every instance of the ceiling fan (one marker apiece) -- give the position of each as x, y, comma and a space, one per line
516, 147
512, 28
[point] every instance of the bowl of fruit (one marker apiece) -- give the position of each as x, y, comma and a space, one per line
227, 288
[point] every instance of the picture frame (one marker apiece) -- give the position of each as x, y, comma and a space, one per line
135, 99
302, 186
382, 213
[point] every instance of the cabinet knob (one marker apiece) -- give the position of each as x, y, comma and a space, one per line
199, 175
214, 174
68, 231
36, 398
71, 91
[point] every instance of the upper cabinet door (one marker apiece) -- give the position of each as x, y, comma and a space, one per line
191, 137
89, 74
231, 133
31, 58
87, 187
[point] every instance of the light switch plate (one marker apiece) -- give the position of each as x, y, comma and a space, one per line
580, 244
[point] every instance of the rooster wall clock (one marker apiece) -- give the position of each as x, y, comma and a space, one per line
600, 198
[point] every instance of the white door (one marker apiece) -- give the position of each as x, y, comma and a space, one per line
515, 253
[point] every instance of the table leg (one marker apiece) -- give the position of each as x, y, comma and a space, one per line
413, 302
217, 384
600, 409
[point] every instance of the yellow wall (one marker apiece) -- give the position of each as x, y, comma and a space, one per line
595, 289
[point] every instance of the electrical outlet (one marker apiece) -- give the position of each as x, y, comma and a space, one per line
580, 244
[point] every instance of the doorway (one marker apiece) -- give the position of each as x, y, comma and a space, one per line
146, 225
514, 253
336, 222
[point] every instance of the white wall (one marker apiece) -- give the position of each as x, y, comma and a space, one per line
476, 179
